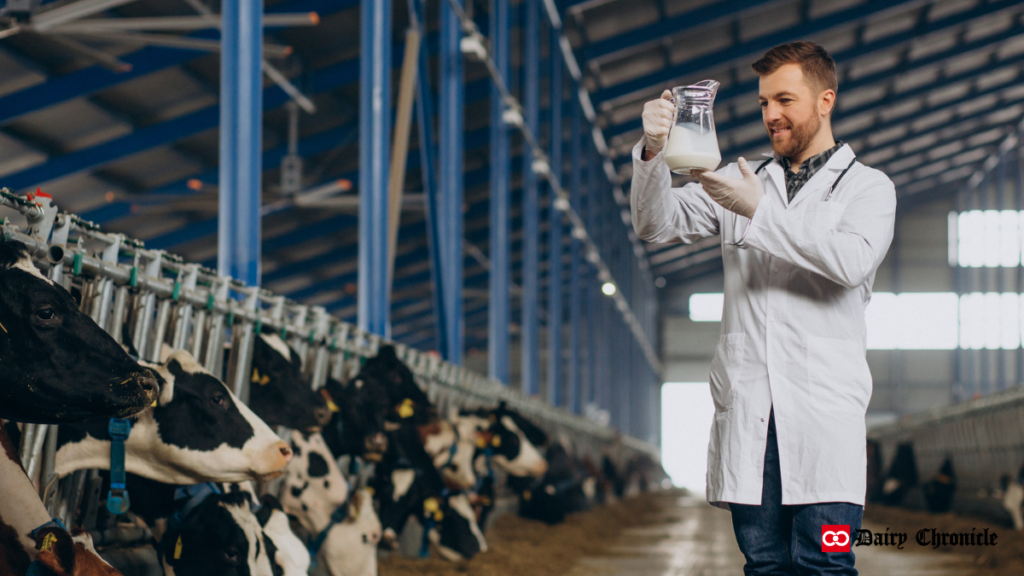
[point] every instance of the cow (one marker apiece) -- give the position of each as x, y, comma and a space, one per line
902, 475
512, 442
558, 493
219, 536
350, 548
381, 395
939, 491
278, 392
197, 431
58, 365
452, 445
313, 486
26, 534
1013, 498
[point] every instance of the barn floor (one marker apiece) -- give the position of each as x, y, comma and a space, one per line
670, 534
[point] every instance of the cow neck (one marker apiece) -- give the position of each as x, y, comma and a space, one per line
20, 507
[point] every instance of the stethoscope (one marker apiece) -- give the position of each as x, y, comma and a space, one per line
831, 188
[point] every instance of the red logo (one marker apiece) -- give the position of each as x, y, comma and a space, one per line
835, 537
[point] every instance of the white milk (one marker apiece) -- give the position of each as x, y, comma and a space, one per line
688, 148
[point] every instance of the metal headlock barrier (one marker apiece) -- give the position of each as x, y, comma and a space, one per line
983, 437
154, 298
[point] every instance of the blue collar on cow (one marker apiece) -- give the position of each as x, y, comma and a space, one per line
488, 454
337, 517
432, 516
118, 501
193, 495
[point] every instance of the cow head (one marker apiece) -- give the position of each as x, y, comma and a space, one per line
278, 392
457, 535
313, 486
360, 410
351, 546
219, 537
198, 431
58, 365
513, 442
452, 446
406, 398
288, 555
64, 554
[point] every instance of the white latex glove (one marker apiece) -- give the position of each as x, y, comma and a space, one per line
658, 117
739, 195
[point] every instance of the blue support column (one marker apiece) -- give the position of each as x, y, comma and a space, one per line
529, 341
241, 129
575, 158
425, 115
450, 166
555, 393
594, 297
374, 151
498, 312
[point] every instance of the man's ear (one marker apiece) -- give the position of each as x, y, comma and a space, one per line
826, 102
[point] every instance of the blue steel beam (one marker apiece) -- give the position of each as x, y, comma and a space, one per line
93, 79
847, 17
554, 381
500, 203
529, 331
450, 179
425, 115
241, 137
374, 129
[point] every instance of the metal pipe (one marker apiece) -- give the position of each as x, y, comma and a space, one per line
180, 23
163, 318
241, 124
450, 161
36, 450
374, 103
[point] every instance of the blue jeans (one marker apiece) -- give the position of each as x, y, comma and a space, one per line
782, 540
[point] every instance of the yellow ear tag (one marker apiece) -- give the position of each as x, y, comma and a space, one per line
527, 495
332, 406
438, 516
430, 506
48, 541
481, 442
406, 410
496, 441
370, 490
154, 404
265, 380
255, 375
177, 549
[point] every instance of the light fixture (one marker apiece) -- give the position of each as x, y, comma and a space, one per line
608, 289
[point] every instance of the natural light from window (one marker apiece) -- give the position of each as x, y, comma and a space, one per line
923, 320
986, 238
686, 416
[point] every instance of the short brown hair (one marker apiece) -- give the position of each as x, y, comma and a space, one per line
818, 67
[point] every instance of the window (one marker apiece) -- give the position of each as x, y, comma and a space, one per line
986, 238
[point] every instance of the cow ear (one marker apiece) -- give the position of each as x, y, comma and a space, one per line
56, 550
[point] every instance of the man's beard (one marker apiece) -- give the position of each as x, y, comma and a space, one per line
800, 137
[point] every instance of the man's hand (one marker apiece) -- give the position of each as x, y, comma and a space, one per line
739, 195
658, 117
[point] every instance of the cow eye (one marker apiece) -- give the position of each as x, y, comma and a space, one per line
231, 555
46, 316
218, 400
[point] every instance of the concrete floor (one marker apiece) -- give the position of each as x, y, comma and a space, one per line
696, 539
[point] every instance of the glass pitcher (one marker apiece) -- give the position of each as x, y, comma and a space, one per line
692, 142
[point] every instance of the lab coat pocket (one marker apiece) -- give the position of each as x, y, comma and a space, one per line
825, 215
838, 375
727, 369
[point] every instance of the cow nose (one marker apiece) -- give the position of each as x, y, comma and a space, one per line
286, 452
148, 382
322, 415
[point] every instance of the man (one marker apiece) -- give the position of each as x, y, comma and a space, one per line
802, 236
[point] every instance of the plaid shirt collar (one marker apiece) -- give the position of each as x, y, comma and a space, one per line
796, 180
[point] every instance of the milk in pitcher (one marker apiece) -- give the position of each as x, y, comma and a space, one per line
691, 147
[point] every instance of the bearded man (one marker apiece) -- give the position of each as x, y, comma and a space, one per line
802, 236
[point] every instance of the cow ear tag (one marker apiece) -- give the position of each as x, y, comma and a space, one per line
257, 379
177, 548
496, 441
481, 442
406, 410
330, 401
527, 495
48, 541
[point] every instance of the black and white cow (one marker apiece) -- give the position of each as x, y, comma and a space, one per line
902, 475
278, 392
512, 442
558, 493
1013, 498
939, 491
288, 554
197, 432
313, 487
58, 365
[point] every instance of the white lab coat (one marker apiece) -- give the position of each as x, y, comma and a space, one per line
798, 277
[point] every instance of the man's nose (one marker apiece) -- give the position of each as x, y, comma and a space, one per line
771, 113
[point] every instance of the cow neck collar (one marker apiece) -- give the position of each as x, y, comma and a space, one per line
118, 501
193, 495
